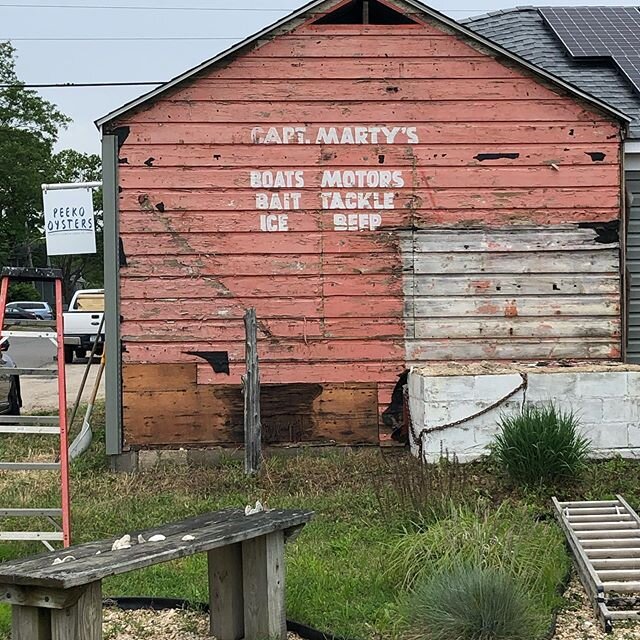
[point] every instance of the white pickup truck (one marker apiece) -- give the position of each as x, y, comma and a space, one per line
82, 322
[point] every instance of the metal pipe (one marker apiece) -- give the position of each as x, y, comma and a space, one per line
71, 185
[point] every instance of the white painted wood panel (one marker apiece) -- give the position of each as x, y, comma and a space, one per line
511, 294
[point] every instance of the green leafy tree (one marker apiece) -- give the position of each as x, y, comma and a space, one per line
29, 127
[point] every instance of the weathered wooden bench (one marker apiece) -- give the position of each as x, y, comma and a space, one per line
245, 564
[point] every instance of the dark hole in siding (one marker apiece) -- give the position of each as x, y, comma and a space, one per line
356, 13
482, 157
122, 256
160, 207
123, 160
219, 360
596, 156
606, 232
149, 162
381, 159
121, 133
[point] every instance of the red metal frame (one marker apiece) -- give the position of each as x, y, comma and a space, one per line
4, 294
62, 412
62, 402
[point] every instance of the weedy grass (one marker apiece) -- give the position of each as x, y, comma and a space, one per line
473, 603
508, 539
541, 445
383, 523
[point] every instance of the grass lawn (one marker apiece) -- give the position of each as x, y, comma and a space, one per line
351, 569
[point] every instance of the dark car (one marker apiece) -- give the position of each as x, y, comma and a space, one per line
16, 313
10, 398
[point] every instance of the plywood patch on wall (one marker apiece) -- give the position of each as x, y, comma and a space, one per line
164, 406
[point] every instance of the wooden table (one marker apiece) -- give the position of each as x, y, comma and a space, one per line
245, 566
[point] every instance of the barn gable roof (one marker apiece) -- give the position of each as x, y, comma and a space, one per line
320, 6
524, 31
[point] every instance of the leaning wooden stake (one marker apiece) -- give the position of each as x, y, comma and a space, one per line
252, 426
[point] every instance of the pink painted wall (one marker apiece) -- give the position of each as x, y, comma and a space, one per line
331, 303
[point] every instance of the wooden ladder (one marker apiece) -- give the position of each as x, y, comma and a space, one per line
54, 425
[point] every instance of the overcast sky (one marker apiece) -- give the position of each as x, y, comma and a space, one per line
64, 60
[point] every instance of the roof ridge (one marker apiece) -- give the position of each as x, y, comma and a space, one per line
499, 12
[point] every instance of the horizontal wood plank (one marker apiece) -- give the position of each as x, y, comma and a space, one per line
444, 132
308, 156
520, 327
268, 111
518, 349
523, 306
484, 176
516, 285
210, 531
600, 261
388, 89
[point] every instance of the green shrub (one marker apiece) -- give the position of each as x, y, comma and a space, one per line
541, 445
508, 539
23, 291
473, 603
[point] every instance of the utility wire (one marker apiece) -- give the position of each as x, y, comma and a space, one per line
149, 8
77, 85
122, 39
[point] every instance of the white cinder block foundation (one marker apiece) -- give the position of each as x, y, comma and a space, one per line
605, 397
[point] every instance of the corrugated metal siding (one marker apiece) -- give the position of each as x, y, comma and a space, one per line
495, 148
633, 266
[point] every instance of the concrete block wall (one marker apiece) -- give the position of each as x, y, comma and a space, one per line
607, 403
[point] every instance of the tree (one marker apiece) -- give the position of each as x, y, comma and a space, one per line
29, 127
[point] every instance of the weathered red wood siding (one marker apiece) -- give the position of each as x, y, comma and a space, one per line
331, 304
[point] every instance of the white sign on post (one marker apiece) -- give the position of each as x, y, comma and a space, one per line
69, 221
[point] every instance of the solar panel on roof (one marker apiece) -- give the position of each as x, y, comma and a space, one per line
597, 32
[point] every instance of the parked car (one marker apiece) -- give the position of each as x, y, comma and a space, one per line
42, 310
15, 313
10, 397
81, 324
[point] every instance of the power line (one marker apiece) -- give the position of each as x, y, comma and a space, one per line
76, 85
149, 8
122, 39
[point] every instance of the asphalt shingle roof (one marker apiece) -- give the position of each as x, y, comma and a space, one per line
524, 32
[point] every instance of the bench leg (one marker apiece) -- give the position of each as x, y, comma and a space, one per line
225, 593
82, 620
30, 623
263, 580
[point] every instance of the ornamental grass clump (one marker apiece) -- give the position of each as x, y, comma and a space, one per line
541, 445
472, 603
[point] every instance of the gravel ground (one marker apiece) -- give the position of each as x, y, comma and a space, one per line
161, 625
578, 622
575, 622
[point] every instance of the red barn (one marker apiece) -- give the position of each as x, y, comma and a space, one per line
386, 188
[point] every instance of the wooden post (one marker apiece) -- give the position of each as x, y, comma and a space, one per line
83, 619
252, 426
225, 593
30, 623
263, 581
